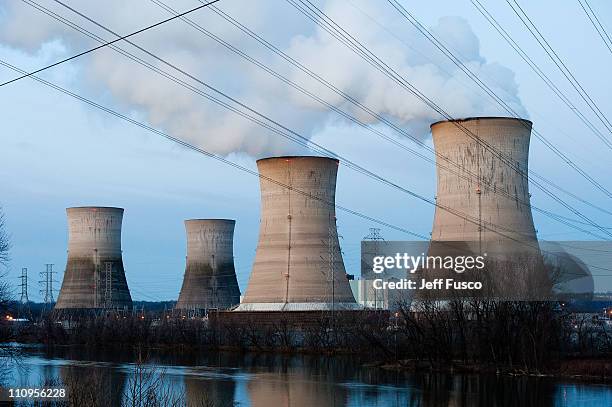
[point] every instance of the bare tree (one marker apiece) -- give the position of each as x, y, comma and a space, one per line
4, 241
5, 289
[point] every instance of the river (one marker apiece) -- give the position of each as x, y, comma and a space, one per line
267, 380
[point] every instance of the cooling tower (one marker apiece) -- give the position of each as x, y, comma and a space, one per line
298, 264
94, 275
210, 278
483, 206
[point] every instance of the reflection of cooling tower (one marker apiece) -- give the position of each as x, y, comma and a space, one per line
108, 383
94, 276
295, 389
207, 391
298, 264
210, 278
488, 198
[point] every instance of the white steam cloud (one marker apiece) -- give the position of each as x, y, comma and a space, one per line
189, 116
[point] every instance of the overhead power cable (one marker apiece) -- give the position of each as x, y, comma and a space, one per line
176, 80
300, 139
324, 151
109, 43
601, 30
399, 130
229, 162
552, 54
265, 121
320, 18
328, 152
475, 78
534, 67
207, 153
268, 45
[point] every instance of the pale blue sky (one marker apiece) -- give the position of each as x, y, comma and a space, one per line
57, 152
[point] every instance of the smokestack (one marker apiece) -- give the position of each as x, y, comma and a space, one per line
298, 264
494, 197
210, 278
94, 276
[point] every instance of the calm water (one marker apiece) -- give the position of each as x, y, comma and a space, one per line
277, 381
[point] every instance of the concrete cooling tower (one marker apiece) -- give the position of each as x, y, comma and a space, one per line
488, 199
210, 278
298, 264
94, 275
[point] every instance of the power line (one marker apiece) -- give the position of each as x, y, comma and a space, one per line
597, 24
541, 40
534, 67
183, 71
229, 162
459, 214
247, 31
401, 131
360, 169
459, 63
296, 137
456, 61
108, 43
330, 26
206, 153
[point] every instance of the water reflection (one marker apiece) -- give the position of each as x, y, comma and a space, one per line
226, 379
217, 392
93, 384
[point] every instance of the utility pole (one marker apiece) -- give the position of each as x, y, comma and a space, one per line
24, 285
47, 281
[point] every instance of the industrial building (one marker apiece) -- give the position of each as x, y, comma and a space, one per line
210, 278
94, 277
298, 264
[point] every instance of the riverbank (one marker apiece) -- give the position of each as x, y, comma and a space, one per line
595, 370
480, 337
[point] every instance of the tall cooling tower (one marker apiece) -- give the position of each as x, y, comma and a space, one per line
210, 278
94, 275
489, 200
298, 264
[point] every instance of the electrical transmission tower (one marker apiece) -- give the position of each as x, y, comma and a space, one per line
108, 284
374, 235
328, 255
47, 282
373, 249
332, 264
24, 285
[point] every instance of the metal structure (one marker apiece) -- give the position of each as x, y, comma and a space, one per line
298, 264
94, 276
210, 278
47, 282
24, 285
367, 294
484, 206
